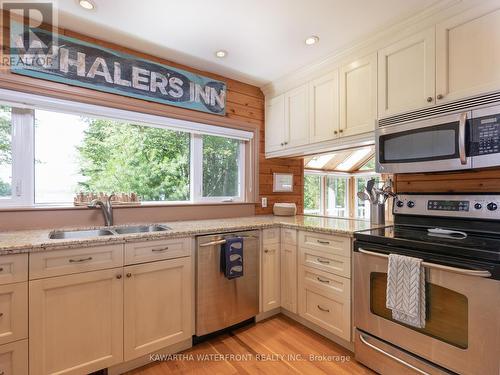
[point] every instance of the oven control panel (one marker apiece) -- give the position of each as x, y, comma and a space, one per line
466, 206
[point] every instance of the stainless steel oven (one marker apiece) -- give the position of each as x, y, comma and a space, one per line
461, 332
450, 138
462, 272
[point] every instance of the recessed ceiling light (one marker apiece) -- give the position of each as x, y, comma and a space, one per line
313, 39
87, 4
220, 54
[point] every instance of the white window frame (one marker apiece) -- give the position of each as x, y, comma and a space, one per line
23, 155
23, 159
348, 193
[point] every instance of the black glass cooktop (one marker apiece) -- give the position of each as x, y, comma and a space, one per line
476, 245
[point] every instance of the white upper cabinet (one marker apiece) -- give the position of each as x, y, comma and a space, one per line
297, 117
406, 74
324, 107
275, 123
358, 96
468, 53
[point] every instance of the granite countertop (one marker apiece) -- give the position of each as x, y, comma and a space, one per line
25, 241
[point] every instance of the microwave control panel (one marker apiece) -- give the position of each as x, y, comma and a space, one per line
486, 135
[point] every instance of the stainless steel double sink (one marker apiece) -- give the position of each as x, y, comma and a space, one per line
127, 229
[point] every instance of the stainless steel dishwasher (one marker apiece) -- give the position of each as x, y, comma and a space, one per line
220, 302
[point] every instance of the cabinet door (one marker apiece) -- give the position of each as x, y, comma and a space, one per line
13, 312
358, 96
76, 322
468, 53
289, 277
406, 74
297, 117
158, 305
275, 123
271, 283
14, 358
324, 107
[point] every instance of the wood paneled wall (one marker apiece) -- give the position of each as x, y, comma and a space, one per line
475, 181
244, 110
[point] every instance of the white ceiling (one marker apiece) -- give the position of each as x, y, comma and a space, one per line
264, 38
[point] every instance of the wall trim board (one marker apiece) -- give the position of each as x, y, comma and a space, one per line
472, 181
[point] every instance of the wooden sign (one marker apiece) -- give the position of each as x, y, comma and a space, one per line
75, 62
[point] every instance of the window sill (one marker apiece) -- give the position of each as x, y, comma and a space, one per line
118, 207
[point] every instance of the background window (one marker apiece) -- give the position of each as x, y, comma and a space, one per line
5, 152
221, 167
336, 196
363, 207
312, 194
74, 153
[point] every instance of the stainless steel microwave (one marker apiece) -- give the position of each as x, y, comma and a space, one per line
458, 136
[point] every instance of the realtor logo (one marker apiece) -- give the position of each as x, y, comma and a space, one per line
24, 44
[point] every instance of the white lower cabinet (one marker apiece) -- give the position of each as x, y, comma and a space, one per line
14, 358
271, 281
76, 322
157, 305
289, 269
324, 284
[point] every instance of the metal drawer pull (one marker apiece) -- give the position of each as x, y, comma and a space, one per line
363, 340
323, 309
218, 242
1, 269
160, 250
323, 280
323, 261
80, 260
323, 242
461, 271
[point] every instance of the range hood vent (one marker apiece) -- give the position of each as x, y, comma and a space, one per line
447, 108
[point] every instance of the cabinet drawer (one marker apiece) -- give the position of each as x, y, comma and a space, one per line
320, 260
13, 268
270, 236
324, 242
13, 312
335, 286
329, 313
147, 251
64, 262
289, 236
14, 358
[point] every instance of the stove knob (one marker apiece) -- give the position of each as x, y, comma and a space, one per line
400, 204
478, 206
410, 204
492, 206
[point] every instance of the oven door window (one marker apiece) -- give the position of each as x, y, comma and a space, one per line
438, 142
446, 315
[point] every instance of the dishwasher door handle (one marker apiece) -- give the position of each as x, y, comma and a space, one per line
212, 243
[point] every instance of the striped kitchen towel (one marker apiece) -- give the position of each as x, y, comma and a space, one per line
406, 290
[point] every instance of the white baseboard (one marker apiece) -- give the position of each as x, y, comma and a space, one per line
146, 360
267, 314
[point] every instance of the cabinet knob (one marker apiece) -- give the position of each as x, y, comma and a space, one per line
335, 132
129, 274
429, 99
282, 143
440, 96
286, 143
266, 251
119, 276
341, 130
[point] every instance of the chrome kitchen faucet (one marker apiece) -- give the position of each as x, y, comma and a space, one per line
106, 207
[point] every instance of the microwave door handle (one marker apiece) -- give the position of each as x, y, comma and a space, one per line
461, 271
461, 137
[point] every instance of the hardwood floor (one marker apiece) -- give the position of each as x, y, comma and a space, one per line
275, 346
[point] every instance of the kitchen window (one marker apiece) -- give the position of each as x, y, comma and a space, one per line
47, 156
331, 183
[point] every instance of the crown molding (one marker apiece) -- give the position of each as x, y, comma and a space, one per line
386, 35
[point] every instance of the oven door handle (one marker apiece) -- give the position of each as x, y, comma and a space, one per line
461, 138
461, 271
399, 360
